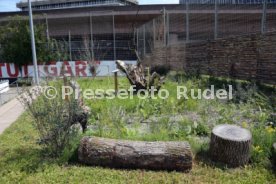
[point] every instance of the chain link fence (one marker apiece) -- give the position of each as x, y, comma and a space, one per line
106, 36
97, 35
209, 21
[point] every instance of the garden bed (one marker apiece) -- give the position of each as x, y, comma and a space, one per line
21, 158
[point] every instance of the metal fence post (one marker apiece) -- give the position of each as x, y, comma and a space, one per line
168, 28
187, 21
70, 46
137, 40
263, 28
36, 75
216, 20
153, 26
165, 31
91, 36
47, 27
144, 38
114, 38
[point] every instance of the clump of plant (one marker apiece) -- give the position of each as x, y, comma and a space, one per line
263, 137
149, 107
109, 124
53, 117
89, 56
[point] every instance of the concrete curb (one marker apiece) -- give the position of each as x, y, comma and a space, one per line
9, 113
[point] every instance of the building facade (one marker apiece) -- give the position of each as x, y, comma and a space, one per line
60, 4
226, 1
112, 31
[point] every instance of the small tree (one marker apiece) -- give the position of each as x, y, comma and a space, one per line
89, 56
16, 42
53, 117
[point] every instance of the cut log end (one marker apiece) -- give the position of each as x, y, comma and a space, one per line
135, 154
230, 144
232, 132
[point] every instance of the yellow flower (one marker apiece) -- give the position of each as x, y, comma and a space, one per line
244, 124
270, 129
257, 149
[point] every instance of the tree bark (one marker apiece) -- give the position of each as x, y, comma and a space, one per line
230, 144
135, 154
274, 155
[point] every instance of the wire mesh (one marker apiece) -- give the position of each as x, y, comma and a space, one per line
103, 36
176, 31
124, 38
239, 19
97, 35
209, 20
140, 42
107, 36
201, 21
150, 35
271, 16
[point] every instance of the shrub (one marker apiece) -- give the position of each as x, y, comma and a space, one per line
263, 139
53, 119
16, 44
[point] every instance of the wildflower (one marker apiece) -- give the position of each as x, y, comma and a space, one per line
258, 149
244, 124
270, 129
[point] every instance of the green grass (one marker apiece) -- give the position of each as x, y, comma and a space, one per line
250, 107
21, 160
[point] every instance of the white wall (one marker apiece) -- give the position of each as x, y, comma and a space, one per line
4, 86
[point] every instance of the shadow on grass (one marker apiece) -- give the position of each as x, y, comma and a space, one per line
29, 160
204, 157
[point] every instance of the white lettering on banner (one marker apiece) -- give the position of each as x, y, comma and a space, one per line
53, 69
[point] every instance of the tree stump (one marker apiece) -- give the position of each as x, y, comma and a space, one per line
230, 144
135, 154
136, 76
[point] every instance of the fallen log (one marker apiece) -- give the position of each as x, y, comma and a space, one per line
135, 154
230, 144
